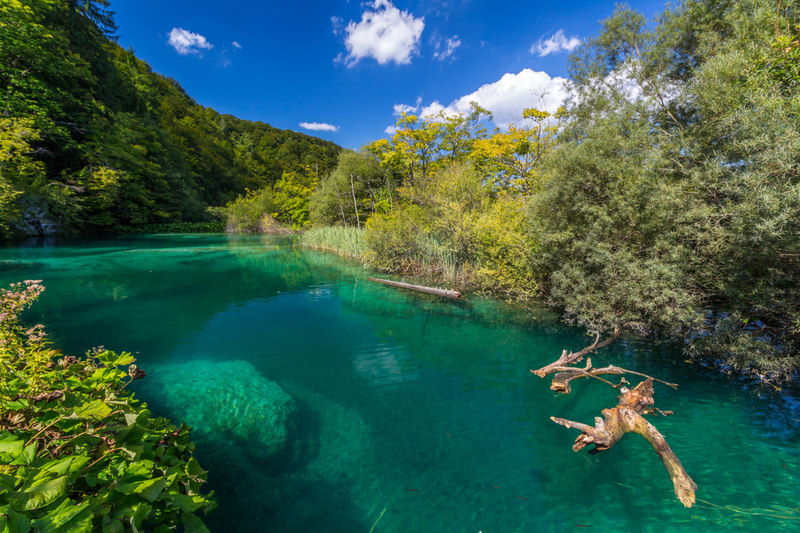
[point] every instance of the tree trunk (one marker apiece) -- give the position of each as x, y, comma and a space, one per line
341, 207
430, 290
355, 205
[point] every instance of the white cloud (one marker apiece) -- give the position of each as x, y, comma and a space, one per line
450, 46
384, 33
314, 126
186, 42
391, 130
555, 44
338, 25
237, 45
507, 97
399, 109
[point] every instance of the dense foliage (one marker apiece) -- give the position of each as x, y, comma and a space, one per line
442, 197
77, 452
672, 205
92, 138
663, 199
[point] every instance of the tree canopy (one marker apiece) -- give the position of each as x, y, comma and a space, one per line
92, 138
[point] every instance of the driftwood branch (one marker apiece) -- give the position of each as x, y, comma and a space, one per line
567, 359
566, 374
627, 417
430, 290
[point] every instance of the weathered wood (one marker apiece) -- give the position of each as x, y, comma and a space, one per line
430, 290
561, 381
627, 417
569, 358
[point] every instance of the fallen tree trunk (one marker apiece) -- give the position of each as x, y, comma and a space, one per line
430, 290
627, 417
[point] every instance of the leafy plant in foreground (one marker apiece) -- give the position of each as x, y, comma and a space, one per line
77, 452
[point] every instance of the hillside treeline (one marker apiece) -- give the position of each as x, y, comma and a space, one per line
662, 199
92, 139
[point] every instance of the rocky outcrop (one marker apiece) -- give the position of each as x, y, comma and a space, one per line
228, 403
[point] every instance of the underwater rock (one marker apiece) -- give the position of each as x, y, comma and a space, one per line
230, 401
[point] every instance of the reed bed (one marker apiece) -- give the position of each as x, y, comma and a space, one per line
345, 241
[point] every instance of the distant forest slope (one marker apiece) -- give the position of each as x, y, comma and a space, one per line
92, 139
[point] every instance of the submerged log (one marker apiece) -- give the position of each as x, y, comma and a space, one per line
430, 290
627, 417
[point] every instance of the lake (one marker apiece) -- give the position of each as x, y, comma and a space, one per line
416, 414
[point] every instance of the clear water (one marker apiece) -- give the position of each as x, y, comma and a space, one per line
420, 414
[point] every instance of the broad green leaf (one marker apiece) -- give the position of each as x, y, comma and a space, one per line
134, 450
27, 457
37, 494
187, 504
7, 483
96, 409
193, 469
112, 525
10, 447
70, 465
150, 489
67, 517
109, 358
140, 417
13, 522
193, 524
139, 516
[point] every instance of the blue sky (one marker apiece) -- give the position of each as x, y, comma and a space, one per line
351, 67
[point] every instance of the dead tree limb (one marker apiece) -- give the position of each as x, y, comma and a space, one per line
567, 373
569, 358
627, 417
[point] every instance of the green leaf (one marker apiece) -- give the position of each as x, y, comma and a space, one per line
139, 516
70, 465
193, 469
13, 522
7, 483
66, 517
150, 489
193, 524
140, 417
10, 447
27, 457
96, 409
187, 504
110, 358
38, 493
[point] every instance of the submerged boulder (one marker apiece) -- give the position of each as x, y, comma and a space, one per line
227, 403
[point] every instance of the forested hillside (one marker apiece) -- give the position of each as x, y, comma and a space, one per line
92, 139
662, 199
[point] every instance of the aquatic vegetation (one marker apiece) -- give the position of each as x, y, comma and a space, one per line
345, 241
77, 452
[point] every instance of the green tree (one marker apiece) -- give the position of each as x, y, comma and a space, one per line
671, 203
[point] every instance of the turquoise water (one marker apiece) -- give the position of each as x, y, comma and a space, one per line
414, 414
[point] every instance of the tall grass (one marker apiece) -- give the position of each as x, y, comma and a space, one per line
347, 242
434, 258
429, 257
